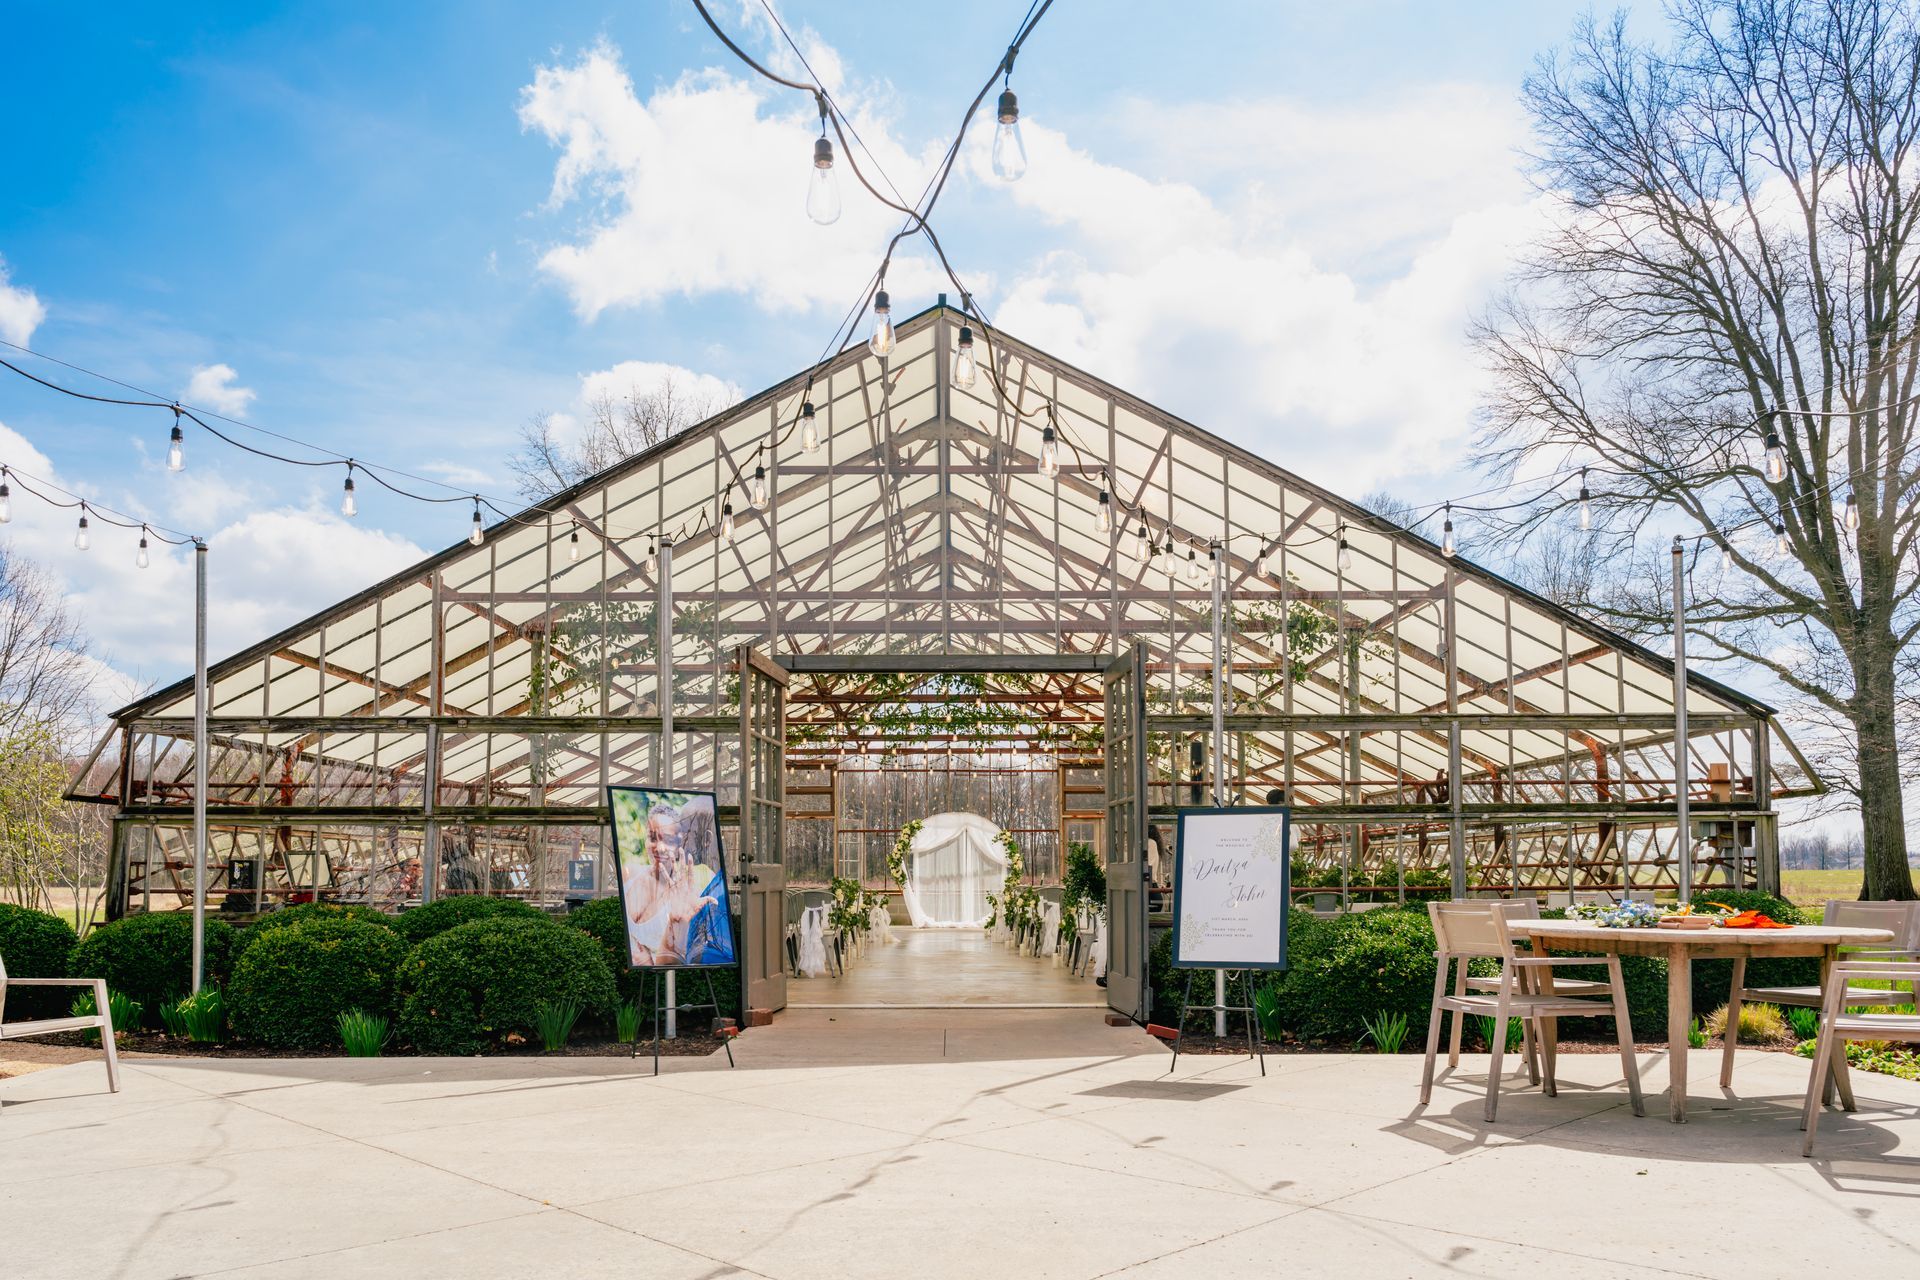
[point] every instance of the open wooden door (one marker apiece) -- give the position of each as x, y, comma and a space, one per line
763, 822
1126, 785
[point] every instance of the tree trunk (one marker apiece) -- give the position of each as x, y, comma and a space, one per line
1883, 821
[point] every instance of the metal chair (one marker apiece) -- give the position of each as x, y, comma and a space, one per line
1465, 931
1902, 919
1838, 1026
101, 1018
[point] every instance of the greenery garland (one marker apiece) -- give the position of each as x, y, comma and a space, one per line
897, 860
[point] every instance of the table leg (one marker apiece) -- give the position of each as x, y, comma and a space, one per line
1730, 1032
1549, 1027
1838, 1078
1679, 1021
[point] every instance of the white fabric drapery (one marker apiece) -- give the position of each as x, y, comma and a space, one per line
813, 943
952, 867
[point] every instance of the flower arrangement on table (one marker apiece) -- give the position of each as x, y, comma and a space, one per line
1644, 915
1627, 914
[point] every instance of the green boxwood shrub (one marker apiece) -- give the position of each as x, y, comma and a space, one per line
464, 989
290, 987
1353, 967
150, 957
300, 914
35, 945
601, 920
428, 919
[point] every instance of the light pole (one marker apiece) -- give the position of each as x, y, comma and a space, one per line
199, 763
1684, 848
1217, 563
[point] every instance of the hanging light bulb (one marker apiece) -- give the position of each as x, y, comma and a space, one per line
140, 558
1106, 512
176, 446
966, 371
1852, 516
809, 429
1780, 538
573, 545
726, 522
823, 190
478, 533
653, 555
1586, 502
1009, 152
6, 499
1260, 562
1143, 544
81, 538
348, 507
1049, 453
1446, 535
757, 495
1345, 558
1193, 564
882, 340
1776, 454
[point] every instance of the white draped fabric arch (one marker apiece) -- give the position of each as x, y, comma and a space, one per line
954, 864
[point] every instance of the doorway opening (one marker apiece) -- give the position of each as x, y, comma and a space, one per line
973, 800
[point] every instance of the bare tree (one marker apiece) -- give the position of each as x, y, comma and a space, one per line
548, 460
1731, 265
45, 673
1391, 507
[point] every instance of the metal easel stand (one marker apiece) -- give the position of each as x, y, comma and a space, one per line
659, 1003
1245, 1010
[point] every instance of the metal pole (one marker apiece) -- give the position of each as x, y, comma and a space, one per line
1684, 846
663, 650
199, 763
1219, 743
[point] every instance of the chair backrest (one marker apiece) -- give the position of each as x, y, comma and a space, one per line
1902, 918
1469, 928
3, 988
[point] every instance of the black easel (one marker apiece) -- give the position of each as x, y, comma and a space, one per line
1246, 1010
659, 1004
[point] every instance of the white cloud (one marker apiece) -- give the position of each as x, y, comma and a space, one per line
700, 189
265, 569
21, 310
217, 387
643, 377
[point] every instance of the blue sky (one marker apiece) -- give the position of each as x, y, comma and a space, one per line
406, 229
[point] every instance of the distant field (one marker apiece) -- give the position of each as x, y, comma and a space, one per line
1812, 888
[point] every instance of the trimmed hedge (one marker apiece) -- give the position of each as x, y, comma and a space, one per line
35, 945
150, 957
429, 919
601, 920
1355, 966
268, 924
290, 987
469, 987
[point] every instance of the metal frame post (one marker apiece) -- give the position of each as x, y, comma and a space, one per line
199, 764
1683, 847
663, 663
1219, 744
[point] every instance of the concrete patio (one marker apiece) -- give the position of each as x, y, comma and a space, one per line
1011, 1143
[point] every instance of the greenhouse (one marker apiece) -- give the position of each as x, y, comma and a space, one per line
935, 581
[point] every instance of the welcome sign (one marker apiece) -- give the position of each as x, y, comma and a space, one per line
1230, 888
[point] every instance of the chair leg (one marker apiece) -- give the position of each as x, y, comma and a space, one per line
1623, 1026
1843, 1079
1730, 1033
1498, 1048
1433, 1032
1530, 1043
1550, 1052
113, 1057
1459, 989
1816, 1085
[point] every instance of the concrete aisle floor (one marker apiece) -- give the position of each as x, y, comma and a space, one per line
853, 1144
946, 968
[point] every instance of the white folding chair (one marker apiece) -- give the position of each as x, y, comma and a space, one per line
101, 1018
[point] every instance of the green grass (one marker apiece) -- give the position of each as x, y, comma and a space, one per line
1815, 888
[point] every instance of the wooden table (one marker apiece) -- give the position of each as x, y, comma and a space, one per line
1680, 948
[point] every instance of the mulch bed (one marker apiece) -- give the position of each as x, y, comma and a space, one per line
71, 1047
1207, 1043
